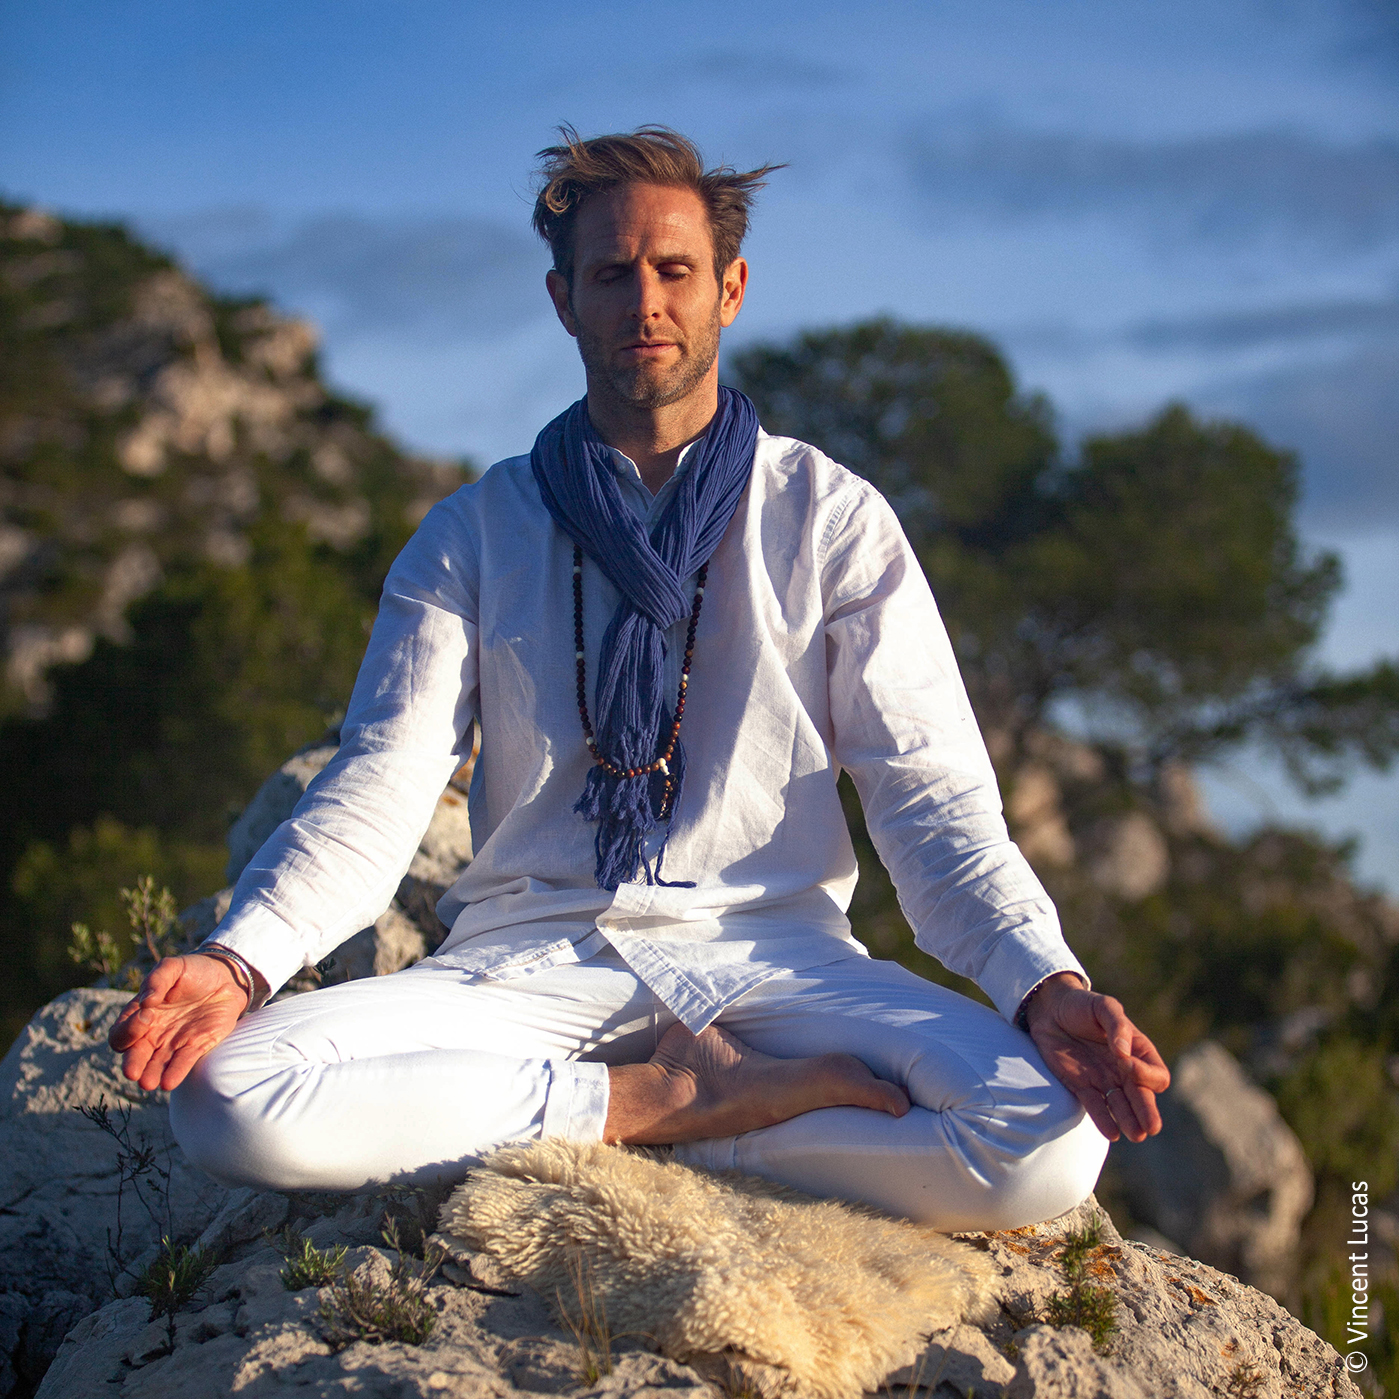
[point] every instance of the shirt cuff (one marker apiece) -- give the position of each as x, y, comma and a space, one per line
266, 943
1018, 965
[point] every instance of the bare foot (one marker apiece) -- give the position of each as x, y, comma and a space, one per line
713, 1085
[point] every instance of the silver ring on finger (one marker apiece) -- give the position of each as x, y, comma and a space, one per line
1111, 1091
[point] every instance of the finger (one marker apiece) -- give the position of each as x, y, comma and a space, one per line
122, 1031
182, 1061
1154, 1078
1143, 1102
161, 980
158, 1044
126, 1031
1117, 1028
155, 1068
1095, 1105
1149, 1069
134, 1061
1124, 1113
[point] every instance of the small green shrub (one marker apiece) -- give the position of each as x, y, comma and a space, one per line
173, 1279
1092, 1308
1245, 1382
155, 933
309, 1266
356, 1309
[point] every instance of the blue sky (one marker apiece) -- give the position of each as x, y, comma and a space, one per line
1138, 201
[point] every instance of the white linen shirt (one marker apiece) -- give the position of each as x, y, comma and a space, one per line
819, 648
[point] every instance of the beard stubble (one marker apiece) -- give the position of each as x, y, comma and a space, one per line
648, 385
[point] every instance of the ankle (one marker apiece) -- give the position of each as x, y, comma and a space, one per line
640, 1097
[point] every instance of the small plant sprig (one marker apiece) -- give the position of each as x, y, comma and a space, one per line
154, 921
98, 952
1085, 1305
140, 1173
153, 916
396, 1310
1245, 1382
173, 1279
309, 1266
587, 1320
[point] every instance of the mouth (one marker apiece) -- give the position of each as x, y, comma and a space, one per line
647, 349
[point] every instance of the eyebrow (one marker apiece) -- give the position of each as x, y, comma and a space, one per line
613, 260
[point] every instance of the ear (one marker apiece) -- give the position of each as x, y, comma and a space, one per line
735, 283
559, 294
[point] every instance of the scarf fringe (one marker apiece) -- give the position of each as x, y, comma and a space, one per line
626, 810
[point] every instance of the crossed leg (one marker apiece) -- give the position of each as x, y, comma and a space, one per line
992, 1141
414, 1076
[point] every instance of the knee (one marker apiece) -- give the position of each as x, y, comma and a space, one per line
1051, 1178
229, 1135
990, 1168
1026, 1177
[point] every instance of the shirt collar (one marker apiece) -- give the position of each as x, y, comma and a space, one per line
627, 471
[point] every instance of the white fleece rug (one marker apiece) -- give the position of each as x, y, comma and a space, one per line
798, 1296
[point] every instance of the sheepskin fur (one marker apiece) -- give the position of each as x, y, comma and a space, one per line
800, 1297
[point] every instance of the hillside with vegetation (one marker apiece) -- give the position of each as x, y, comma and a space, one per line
195, 530
196, 527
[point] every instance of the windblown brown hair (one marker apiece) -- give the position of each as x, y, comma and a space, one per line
650, 155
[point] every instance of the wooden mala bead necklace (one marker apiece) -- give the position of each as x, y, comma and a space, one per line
661, 764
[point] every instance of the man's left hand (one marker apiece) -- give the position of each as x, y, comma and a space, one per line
1099, 1056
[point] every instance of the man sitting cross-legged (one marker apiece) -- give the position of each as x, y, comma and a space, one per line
674, 632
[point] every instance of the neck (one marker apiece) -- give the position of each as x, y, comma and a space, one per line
653, 437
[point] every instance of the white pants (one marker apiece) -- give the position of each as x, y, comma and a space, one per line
412, 1077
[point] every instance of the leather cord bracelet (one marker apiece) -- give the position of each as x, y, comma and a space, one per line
243, 975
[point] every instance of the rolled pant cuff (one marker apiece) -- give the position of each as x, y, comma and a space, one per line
576, 1105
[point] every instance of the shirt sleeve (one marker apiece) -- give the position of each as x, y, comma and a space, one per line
904, 730
334, 866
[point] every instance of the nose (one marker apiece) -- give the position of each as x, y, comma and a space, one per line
646, 299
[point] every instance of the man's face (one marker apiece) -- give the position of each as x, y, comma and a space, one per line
645, 304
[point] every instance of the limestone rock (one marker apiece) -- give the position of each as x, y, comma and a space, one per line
251, 1336
392, 943
1062, 1364
445, 850
273, 802
14, 1311
48, 1321
200, 919
1128, 857
246, 1214
178, 413
1227, 1178
444, 853
961, 1358
59, 1171
1036, 815
1184, 1330
59, 1179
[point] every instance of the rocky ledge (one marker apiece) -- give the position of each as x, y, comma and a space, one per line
305, 1293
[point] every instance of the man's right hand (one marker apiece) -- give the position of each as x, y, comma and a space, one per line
183, 1009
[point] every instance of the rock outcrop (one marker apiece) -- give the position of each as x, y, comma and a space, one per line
409, 928
1227, 1178
153, 424
1182, 1329
60, 1173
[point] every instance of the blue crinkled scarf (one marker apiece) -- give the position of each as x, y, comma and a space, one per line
576, 479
